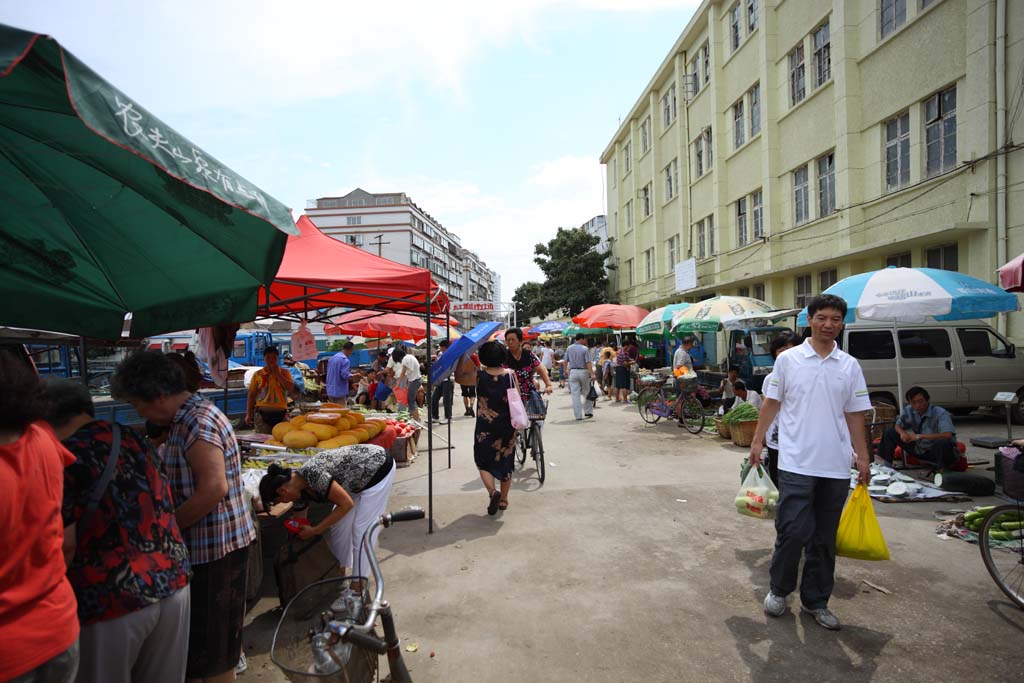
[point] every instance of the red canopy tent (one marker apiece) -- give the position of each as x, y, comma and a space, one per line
394, 325
319, 273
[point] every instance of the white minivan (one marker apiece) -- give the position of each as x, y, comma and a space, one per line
962, 364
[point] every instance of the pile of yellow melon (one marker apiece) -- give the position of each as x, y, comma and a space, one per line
331, 427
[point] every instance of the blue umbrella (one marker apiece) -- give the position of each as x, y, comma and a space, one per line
917, 295
467, 343
548, 327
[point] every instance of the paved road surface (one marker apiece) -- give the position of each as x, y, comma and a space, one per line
631, 564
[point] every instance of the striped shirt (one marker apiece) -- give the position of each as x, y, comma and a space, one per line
229, 526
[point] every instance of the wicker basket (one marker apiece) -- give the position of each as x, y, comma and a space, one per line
723, 429
876, 420
743, 432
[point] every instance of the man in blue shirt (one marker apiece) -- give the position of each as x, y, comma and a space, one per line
923, 431
339, 371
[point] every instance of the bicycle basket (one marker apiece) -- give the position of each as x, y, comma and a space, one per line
687, 384
291, 651
536, 407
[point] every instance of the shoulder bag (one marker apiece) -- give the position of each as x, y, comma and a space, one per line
103, 483
516, 408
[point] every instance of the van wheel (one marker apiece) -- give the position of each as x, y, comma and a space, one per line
1017, 411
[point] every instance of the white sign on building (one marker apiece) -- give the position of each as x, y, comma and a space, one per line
686, 275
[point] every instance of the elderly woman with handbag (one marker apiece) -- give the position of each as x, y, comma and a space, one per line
494, 440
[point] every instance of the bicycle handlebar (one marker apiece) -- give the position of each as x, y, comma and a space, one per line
407, 515
349, 633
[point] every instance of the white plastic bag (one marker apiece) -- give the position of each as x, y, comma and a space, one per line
303, 344
758, 495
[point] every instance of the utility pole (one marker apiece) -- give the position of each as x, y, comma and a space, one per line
378, 240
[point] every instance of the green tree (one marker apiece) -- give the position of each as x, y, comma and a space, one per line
574, 270
336, 345
526, 299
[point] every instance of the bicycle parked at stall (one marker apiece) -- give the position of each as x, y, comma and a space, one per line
1001, 539
324, 638
654, 404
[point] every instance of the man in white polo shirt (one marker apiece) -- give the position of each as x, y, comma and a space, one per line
819, 395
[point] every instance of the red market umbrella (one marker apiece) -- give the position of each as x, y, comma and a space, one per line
1011, 275
369, 324
615, 316
528, 333
441, 321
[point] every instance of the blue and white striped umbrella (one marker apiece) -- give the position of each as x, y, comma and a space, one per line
918, 295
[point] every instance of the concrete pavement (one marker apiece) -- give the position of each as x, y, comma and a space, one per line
631, 564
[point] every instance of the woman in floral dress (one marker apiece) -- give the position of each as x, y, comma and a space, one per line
494, 443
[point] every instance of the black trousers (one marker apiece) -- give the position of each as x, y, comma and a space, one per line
806, 521
447, 389
773, 465
941, 454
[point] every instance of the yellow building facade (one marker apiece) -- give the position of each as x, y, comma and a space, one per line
785, 145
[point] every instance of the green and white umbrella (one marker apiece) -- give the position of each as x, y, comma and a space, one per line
658, 323
726, 312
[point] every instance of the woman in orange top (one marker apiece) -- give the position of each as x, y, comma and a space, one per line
268, 394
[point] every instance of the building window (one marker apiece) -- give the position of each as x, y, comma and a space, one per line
668, 105
627, 159
671, 179
741, 221
645, 200
629, 215
822, 56
796, 75
897, 152
354, 240
751, 15
800, 207
695, 74
755, 210
827, 278
672, 250
940, 131
803, 290
892, 15
735, 25
743, 291
645, 136
629, 272
615, 171
707, 147
698, 148
705, 54
738, 127
649, 264
827, 184
353, 220
701, 240
898, 260
759, 291
943, 258
710, 225
755, 110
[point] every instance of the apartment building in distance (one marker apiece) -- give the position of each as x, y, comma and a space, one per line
391, 225
785, 145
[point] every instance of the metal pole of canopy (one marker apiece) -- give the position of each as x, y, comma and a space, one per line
430, 430
448, 338
83, 365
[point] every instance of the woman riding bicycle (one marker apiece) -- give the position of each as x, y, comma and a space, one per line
524, 364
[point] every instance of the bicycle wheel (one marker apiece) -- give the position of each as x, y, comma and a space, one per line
691, 414
1004, 559
537, 449
520, 449
647, 403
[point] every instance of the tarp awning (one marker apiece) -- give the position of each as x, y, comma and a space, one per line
319, 273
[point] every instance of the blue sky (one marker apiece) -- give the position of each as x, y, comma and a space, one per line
491, 116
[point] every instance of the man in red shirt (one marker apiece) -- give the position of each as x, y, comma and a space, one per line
38, 611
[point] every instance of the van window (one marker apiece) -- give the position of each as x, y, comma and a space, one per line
239, 349
871, 345
979, 341
925, 344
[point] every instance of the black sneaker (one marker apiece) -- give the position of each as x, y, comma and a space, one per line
469, 412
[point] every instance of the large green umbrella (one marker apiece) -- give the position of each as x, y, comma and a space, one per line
571, 330
657, 323
105, 210
726, 312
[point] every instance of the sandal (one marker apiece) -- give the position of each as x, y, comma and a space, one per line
503, 505
492, 508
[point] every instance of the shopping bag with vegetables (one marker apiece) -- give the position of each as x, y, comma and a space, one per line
758, 495
859, 535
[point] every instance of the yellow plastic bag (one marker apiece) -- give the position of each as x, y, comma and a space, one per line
859, 535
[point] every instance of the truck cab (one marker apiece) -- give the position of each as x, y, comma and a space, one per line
749, 352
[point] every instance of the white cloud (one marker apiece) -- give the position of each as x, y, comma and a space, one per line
238, 52
503, 225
